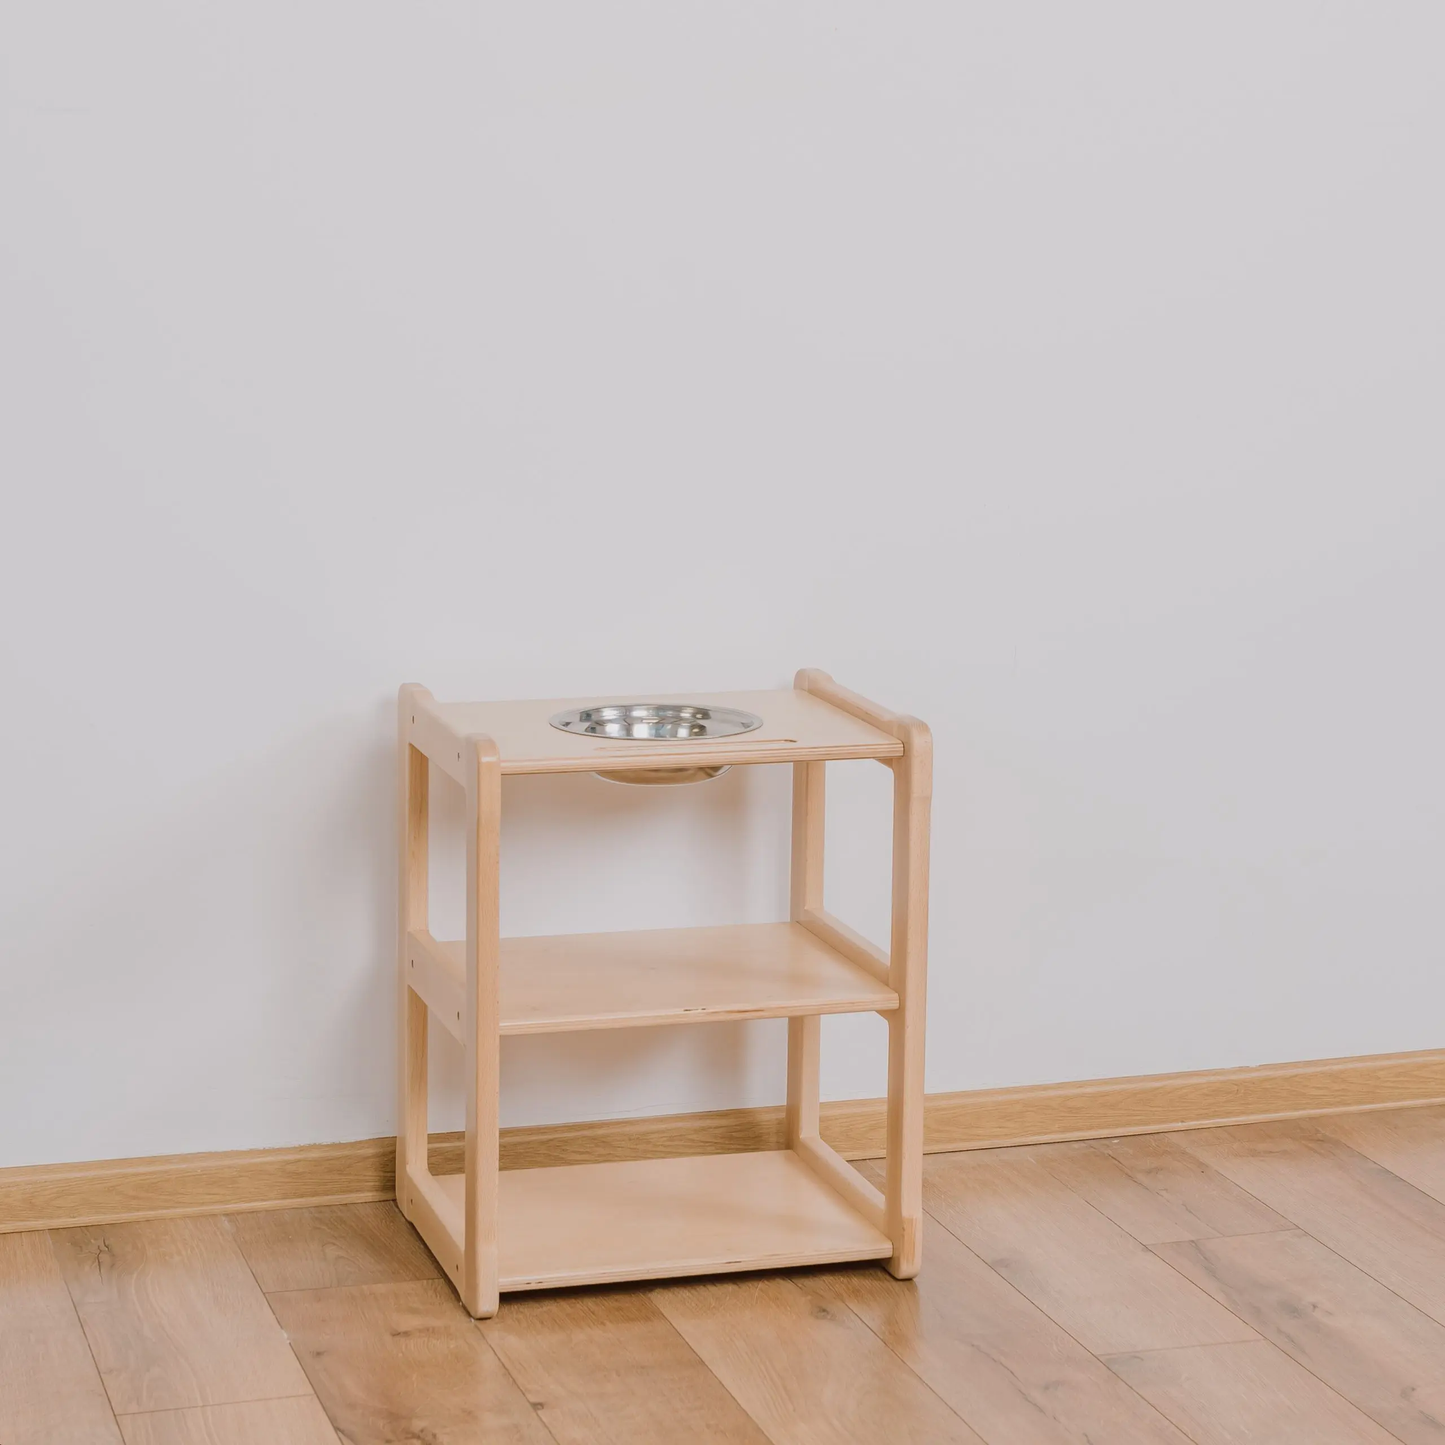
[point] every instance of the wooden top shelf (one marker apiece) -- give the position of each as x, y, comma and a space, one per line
797, 727
576, 981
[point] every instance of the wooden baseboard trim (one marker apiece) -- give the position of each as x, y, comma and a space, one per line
53, 1196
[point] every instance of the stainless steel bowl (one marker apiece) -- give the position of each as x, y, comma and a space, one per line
657, 722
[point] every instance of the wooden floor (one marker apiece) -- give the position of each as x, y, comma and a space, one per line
1275, 1283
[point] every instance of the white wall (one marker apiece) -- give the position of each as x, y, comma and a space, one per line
1068, 375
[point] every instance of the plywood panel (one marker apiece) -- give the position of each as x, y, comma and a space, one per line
796, 727
676, 975
599, 1223
1157, 1191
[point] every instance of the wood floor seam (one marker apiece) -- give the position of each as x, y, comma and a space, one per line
1063, 1329
1326, 1384
220, 1404
285, 1335
521, 1390
1343, 1258
1430, 1204
84, 1334
1259, 1235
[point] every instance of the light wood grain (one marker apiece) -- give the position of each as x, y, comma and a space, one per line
1363, 1340
1222, 1394
908, 977
109, 1191
403, 1359
50, 1391
846, 941
342, 1245
397, 1363
821, 685
1157, 1191
1080, 1268
437, 1212
50, 1196
173, 1316
1371, 1217
1100, 1108
296, 1421
647, 1219
1013, 1374
797, 727
608, 1369
436, 974
671, 976
860, 1193
481, 1017
806, 1368
1407, 1142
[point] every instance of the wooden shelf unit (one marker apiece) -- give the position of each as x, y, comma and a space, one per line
495, 1231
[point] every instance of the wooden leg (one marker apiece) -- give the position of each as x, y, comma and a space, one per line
412, 812
481, 1022
907, 974
804, 1033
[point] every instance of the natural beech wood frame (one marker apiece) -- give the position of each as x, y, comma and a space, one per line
898, 1210
465, 1242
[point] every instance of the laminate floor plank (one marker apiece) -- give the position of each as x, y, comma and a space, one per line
173, 1315
1080, 1268
299, 1420
341, 1244
1155, 1190
1388, 1228
1361, 1339
606, 1368
403, 1364
50, 1390
806, 1368
999, 1361
1407, 1142
1224, 1394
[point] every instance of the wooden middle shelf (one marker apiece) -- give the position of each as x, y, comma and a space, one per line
655, 1218
656, 976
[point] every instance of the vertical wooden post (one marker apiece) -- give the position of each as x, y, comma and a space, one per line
907, 976
481, 1024
806, 891
413, 797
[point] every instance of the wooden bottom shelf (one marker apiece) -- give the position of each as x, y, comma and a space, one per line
655, 1218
